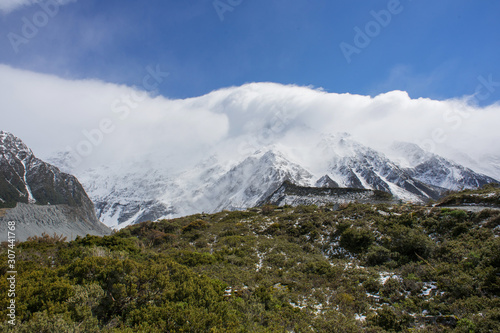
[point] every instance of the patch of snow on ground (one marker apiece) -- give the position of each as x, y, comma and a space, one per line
428, 288
384, 276
361, 318
297, 306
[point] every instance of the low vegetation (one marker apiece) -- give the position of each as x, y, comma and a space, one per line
489, 195
362, 268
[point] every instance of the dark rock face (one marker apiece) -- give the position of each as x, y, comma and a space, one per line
25, 178
29, 180
290, 194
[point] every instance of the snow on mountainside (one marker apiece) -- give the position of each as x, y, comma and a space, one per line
488, 164
250, 182
143, 193
354, 165
436, 170
136, 192
122, 197
16, 159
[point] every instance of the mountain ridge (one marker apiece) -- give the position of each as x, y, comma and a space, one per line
39, 197
128, 194
293, 195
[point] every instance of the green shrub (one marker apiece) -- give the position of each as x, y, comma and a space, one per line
172, 275
356, 240
377, 255
195, 225
193, 259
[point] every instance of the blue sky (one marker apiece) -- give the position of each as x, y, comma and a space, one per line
436, 49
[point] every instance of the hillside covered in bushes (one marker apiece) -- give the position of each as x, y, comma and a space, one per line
361, 268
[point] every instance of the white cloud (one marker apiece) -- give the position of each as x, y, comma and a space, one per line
51, 114
8, 6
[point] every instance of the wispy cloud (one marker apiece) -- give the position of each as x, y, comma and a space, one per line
8, 6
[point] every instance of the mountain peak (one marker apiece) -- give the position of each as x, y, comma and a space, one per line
326, 181
9, 143
28, 179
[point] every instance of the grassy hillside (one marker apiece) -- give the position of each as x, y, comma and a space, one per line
363, 268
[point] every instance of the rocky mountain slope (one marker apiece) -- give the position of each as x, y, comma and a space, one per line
251, 182
434, 169
39, 197
293, 195
354, 165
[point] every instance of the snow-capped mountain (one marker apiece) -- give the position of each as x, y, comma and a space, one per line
27, 184
357, 166
126, 195
130, 193
148, 193
250, 182
433, 169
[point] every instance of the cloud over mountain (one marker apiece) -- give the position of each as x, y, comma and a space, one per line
104, 122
